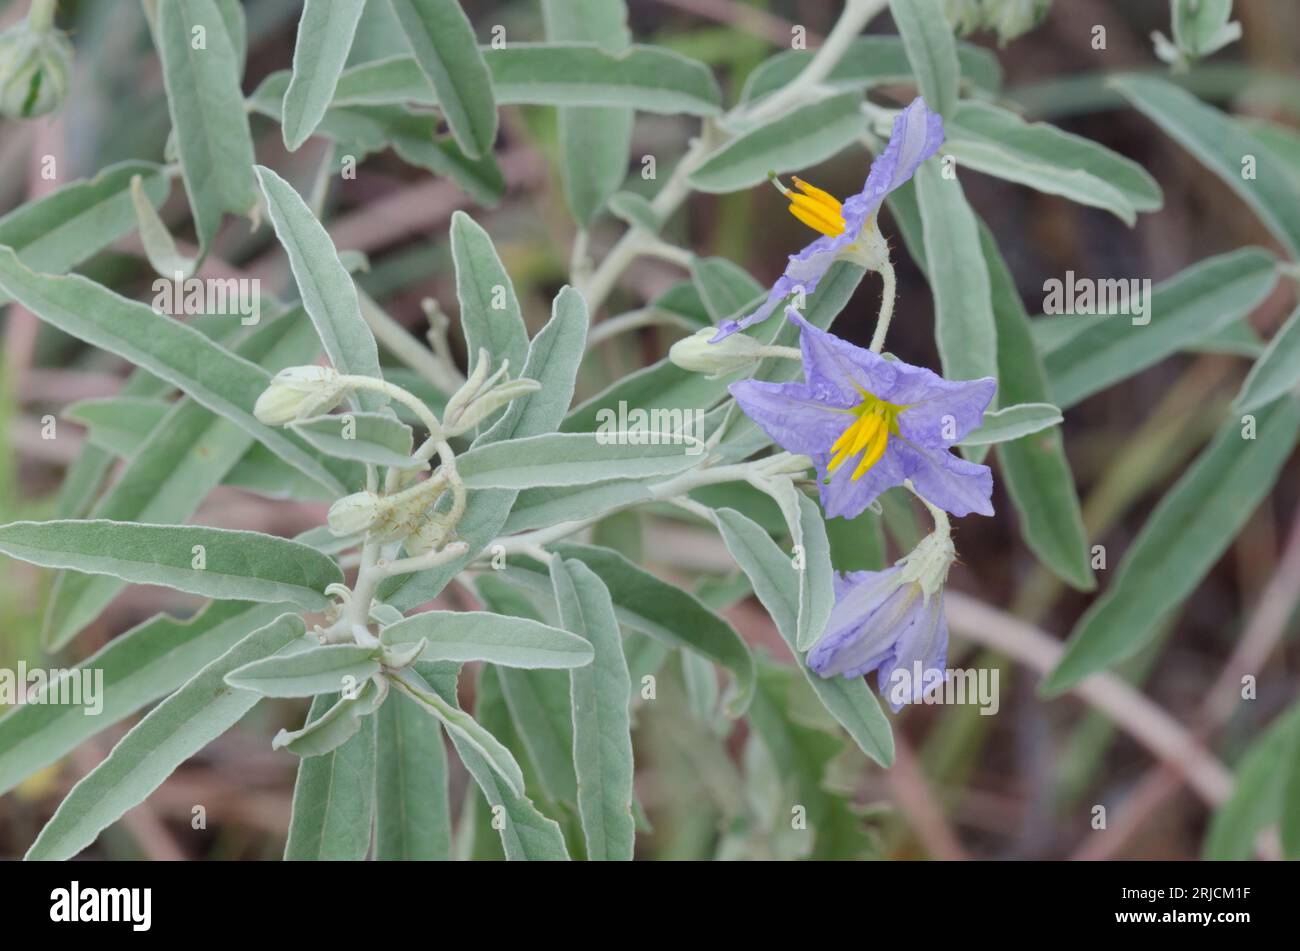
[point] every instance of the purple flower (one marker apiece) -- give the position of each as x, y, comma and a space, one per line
892, 421
885, 622
917, 133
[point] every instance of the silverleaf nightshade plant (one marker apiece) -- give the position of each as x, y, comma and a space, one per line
475, 577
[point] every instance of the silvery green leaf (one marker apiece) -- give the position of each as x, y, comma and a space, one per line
138, 667
159, 246
1217, 141
869, 61
489, 310
1185, 535
325, 668
320, 52
328, 294
207, 112
541, 508
376, 438
805, 137
816, 594
992, 140
170, 471
334, 798
213, 376
442, 39
662, 391
654, 607
463, 636
412, 806
635, 210
192, 717
57, 232
601, 692
1012, 422
1206, 296
775, 582
725, 287
236, 24
238, 565
466, 732
1277, 371
594, 141
560, 459
553, 358
1260, 793
403, 655
963, 313
340, 723
526, 833
931, 50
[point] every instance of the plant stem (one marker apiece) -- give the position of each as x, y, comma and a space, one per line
887, 293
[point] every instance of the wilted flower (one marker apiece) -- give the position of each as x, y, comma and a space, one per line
298, 393
35, 60
894, 421
891, 621
848, 229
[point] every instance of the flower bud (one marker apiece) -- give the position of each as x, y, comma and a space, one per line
356, 513
696, 354
34, 64
429, 534
299, 392
485, 404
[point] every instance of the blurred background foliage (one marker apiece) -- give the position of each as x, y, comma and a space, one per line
1021, 784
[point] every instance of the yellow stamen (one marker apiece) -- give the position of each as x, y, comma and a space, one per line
868, 434
818, 209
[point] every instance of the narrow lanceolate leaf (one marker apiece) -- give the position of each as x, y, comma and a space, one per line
158, 243
56, 233
775, 582
637, 212
328, 668
213, 562
177, 462
1223, 146
320, 52
963, 313
807, 136
338, 725
465, 731
1277, 370
327, 290
526, 834
1206, 297
334, 798
1181, 541
442, 40
464, 636
724, 286
601, 692
654, 607
931, 50
811, 559
540, 508
138, 667
195, 715
1013, 422
1261, 794
169, 349
412, 805
558, 459
207, 112
365, 437
997, 142
594, 141
489, 310
553, 358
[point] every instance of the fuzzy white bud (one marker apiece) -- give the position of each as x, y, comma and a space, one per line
298, 393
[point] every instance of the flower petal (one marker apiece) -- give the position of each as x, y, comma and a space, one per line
790, 415
864, 625
923, 643
836, 369
917, 134
846, 497
940, 413
804, 270
954, 485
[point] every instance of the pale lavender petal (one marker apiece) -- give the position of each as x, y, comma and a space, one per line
846, 497
865, 625
952, 484
804, 270
917, 134
790, 415
836, 369
940, 413
920, 649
